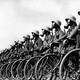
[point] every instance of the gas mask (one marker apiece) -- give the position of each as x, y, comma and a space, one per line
53, 25
26, 39
43, 32
69, 23
66, 26
33, 35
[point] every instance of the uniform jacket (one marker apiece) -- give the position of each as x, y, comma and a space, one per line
28, 46
47, 40
38, 43
58, 34
70, 45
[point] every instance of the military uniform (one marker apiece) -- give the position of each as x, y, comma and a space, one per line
48, 37
58, 34
47, 40
37, 46
37, 43
28, 46
71, 44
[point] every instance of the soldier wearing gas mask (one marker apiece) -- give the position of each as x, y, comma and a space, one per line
28, 45
37, 42
58, 32
24, 47
71, 42
56, 25
48, 37
71, 24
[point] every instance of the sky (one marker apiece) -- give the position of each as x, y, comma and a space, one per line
21, 17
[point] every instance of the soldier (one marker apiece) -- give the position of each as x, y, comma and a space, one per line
28, 45
58, 34
71, 43
16, 47
37, 41
20, 50
14, 52
78, 46
71, 24
48, 37
56, 37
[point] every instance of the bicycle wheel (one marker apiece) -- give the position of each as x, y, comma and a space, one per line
46, 65
8, 70
20, 69
70, 65
3, 71
30, 66
14, 68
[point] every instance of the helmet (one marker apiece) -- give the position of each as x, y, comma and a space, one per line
78, 12
57, 22
46, 29
36, 32
16, 42
27, 36
72, 18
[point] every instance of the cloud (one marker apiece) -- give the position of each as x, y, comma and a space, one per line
41, 6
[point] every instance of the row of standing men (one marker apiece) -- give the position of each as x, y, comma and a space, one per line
59, 35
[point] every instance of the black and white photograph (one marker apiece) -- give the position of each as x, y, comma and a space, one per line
39, 39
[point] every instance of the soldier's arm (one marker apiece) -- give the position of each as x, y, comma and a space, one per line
50, 40
31, 46
62, 37
40, 43
61, 34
